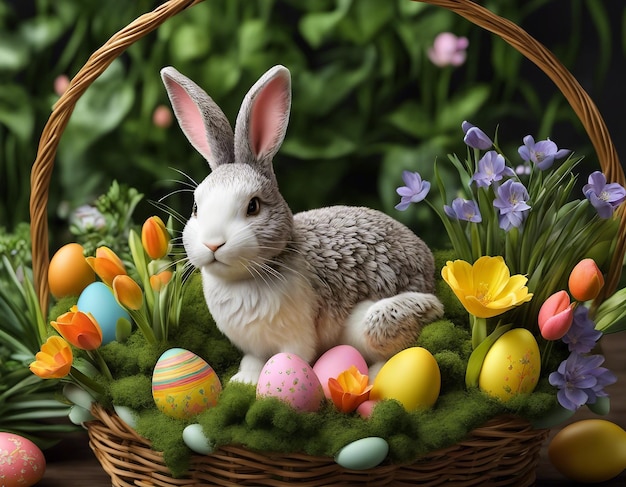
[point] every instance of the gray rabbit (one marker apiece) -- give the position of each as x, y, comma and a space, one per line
278, 282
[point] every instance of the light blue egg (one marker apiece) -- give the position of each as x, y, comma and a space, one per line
98, 299
127, 415
79, 415
363, 454
194, 438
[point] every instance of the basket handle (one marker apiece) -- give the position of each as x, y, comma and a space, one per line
41, 171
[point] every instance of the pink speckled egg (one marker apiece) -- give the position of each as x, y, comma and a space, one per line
22, 463
183, 384
335, 361
289, 378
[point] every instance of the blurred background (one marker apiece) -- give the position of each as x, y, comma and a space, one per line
368, 102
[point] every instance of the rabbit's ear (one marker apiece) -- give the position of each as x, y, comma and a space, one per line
262, 119
201, 120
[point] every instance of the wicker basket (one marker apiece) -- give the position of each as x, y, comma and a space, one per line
505, 451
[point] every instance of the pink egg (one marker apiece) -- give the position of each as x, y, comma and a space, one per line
336, 360
22, 463
289, 378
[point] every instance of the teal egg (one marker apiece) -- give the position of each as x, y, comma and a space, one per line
98, 299
363, 454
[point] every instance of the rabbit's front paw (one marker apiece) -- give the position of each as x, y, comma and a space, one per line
249, 370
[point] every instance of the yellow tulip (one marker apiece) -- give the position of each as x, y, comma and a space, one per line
127, 292
155, 238
80, 329
106, 264
486, 289
54, 361
349, 389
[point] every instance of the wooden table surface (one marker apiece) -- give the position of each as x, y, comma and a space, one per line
72, 464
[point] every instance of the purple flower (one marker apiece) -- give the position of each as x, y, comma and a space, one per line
491, 167
542, 153
582, 335
414, 191
511, 201
461, 209
448, 50
581, 380
475, 138
604, 197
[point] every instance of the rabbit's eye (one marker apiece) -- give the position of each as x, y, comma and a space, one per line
194, 209
254, 207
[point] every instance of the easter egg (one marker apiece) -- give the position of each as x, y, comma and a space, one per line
183, 384
22, 463
411, 377
363, 454
511, 366
289, 378
335, 361
194, 438
68, 271
98, 299
591, 450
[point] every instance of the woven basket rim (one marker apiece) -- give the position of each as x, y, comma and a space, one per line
506, 443
141, 458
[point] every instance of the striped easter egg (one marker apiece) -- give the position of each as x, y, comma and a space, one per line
183, 384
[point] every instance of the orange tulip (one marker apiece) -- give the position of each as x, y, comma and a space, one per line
127, 292
106, 264
79, 328
160, 280
585, 280
349, 390
54, 361
155, 238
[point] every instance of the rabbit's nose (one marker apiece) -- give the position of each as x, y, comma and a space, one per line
213, 247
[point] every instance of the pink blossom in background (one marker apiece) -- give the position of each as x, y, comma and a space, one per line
162, 116
448, 50
61, 83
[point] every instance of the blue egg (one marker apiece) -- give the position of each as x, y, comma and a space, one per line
98, 299
363, 454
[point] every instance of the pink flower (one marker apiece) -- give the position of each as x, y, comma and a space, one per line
61, 84
556, 316
448, 50
162, 116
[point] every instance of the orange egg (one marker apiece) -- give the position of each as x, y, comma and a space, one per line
68, 272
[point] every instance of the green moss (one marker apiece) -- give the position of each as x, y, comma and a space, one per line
134, 392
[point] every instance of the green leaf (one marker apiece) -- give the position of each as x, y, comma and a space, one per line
16, 111
410, 118
462, 106
189, 42
98, 111
475, 363
14, 54
316, 26
41, 32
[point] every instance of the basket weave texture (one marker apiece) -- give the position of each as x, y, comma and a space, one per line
504, 451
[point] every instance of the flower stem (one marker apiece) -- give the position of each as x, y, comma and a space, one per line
479, 330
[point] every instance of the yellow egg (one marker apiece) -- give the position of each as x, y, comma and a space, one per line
412, 377
511, 366
68, 271
591, 450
